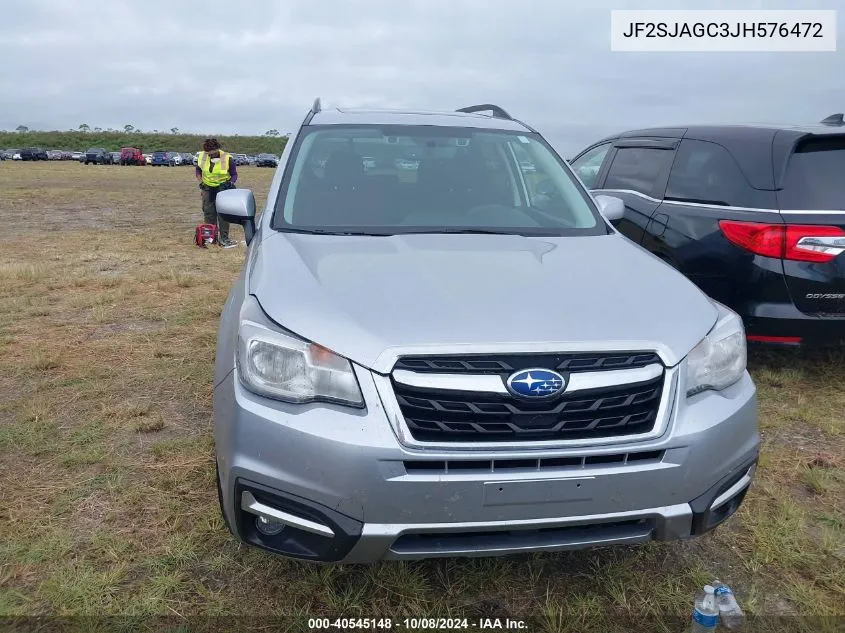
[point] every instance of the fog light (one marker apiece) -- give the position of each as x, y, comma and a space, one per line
268, 527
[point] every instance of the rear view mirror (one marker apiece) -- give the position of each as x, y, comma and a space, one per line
546, 187
611, 208
238, 207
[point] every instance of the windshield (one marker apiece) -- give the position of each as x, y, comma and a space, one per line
814, 176
426, 179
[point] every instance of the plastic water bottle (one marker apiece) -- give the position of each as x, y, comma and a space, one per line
729, 608
705, 615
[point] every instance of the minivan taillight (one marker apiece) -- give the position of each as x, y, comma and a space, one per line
796, 242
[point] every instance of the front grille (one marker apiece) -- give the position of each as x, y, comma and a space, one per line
455, 416
509, 363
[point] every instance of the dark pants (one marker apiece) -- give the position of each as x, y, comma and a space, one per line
209, 211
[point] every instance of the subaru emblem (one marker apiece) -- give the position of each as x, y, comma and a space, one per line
536, 383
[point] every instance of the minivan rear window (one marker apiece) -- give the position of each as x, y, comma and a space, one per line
815, 176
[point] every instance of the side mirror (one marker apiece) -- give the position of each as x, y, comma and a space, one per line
611, 207
238, 207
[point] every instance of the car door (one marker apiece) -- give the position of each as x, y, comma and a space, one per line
636, 172
705, 186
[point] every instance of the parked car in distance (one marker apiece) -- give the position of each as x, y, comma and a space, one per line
17, 155
115, 158
131, 156
187, 158
160, 159
54, 154
148, 158
266, 160
98, 156
488, 366
33, 153
80, 156
753, 215
9, 153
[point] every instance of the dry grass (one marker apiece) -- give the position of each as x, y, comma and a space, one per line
107, 499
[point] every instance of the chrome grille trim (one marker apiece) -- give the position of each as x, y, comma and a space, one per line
491, 383
668, 400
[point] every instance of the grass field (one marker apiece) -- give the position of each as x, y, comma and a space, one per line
108, 319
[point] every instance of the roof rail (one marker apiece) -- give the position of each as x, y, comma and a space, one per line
833, 119
498, 113
315, 108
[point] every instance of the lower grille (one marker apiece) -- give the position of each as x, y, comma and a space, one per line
441, 467
452, 543
453, 416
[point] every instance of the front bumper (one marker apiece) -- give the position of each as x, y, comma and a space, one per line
348, 490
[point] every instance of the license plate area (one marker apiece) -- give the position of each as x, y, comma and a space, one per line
497, 493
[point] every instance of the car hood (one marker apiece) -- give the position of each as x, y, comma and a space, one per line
368, 298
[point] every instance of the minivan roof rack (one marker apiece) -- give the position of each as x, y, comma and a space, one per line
498, 113
833, 119
315, 108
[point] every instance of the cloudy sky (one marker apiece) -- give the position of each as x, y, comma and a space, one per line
245, 66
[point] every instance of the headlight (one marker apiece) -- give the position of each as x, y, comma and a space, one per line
719, 360
278, 365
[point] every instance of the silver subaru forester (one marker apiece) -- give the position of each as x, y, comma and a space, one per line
439, 346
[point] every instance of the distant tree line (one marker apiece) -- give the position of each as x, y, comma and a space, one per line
112, 140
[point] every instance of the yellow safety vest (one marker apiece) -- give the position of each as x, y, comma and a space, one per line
214, 174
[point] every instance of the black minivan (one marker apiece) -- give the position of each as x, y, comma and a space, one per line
754, 215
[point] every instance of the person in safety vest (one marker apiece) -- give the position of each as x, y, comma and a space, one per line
216, 171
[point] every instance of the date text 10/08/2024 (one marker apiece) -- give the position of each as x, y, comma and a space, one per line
416, 623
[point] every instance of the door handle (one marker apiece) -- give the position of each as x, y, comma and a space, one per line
663, 220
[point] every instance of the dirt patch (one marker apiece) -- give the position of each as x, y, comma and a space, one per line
114, 329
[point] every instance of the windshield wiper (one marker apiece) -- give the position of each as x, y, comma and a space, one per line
459, 231
398, 231
328, 232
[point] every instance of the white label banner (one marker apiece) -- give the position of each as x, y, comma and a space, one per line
723, 31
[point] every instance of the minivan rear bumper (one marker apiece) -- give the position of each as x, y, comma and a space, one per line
784, 324
348, 491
